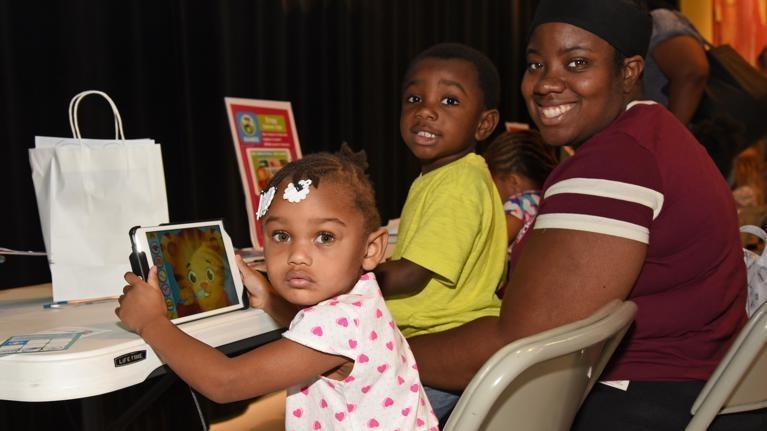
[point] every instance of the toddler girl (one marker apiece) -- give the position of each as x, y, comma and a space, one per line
519, 163
345, 363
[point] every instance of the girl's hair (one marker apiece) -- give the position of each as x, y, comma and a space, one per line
345, 168
522, 152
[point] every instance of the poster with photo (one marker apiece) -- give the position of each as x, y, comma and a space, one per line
265, 139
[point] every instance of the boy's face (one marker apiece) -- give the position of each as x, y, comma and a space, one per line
314, 249
443, 114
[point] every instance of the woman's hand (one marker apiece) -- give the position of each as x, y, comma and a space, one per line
259, 289
142, 302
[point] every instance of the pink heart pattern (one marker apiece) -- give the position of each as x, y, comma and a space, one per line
390, 398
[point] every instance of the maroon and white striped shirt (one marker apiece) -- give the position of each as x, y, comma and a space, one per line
647, 179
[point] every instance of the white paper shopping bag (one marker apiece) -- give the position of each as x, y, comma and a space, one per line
90, 192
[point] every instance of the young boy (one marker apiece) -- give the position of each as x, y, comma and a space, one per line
451, 246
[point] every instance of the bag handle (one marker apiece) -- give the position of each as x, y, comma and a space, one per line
74, 105
756, 231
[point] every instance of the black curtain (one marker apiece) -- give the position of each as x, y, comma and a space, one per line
168, 64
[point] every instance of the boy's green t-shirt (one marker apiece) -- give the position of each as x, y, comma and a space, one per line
452, 224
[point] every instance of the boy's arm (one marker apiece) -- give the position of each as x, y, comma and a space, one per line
401, 277
274, 366
262, 296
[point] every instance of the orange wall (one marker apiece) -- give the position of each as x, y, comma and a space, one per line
740, 23
700, 12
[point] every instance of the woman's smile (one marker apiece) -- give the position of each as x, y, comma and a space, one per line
553, 115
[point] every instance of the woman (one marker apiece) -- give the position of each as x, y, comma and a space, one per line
639, 212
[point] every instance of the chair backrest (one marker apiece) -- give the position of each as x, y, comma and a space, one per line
739, 382
539, 382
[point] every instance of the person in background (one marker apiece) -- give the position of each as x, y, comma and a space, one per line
450, 255
639, 212
676, 68
748, 179
344, 362
519, 163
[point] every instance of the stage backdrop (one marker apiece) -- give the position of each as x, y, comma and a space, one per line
168, 64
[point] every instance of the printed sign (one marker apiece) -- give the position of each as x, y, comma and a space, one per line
265, 139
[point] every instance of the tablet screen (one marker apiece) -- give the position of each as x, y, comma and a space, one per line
195, 268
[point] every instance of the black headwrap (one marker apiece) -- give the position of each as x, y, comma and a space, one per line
619, 22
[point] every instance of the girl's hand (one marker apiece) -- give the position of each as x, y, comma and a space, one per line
141, 302
259, 289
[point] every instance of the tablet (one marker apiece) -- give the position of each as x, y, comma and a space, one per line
195, 266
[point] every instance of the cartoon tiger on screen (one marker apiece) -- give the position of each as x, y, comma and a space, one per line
198, 266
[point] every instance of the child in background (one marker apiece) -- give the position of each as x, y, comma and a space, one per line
748, 178
519, 163
451, 243
343, 360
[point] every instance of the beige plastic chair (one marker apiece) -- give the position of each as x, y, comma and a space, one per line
539, 382
739, 383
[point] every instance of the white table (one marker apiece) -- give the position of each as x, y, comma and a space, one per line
89, 367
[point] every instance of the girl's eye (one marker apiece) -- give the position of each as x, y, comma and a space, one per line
210, 274
280, 236
192, 277
450, 101
577, 63
325, 238
412, 99
531, 66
